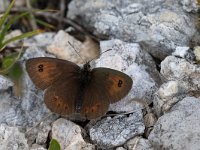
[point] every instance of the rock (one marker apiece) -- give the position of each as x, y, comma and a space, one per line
40, 40
197, 53
38, 134
182, 80
111, 132
37, 147
130, 59
120, 148
5, 83
43, 132
12, 139
185, 52
173, 68
69, 135
77, 52
189, 5
168, 94
149, 121
179, 128
161, 25
138, 143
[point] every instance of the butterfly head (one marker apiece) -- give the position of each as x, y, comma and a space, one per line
86, 66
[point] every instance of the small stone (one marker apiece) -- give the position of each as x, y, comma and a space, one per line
69, 135
139, 143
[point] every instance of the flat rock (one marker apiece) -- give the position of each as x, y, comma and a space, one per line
111, 132
179, 128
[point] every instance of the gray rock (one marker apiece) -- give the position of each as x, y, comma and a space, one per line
168, 94
120, 148
182, 79
112, 132
5, 83
68, 134
138, 143
173, 68
37, 147
161, 25
189, 5
179, 128
132, 60
185, 52
40, 40
12, 139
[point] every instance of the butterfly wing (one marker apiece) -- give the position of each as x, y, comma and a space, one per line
60, 97
44, 71
106, 86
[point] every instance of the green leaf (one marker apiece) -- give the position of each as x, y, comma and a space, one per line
5, 16
7, 26
44, 24
54, 145
19, 37
9, 61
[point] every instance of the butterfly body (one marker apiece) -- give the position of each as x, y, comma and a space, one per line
71, 89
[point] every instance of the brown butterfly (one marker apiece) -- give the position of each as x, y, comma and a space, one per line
71, 89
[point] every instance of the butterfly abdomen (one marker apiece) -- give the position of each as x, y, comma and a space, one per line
84, 81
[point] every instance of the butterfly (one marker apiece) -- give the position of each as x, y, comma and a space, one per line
70, 89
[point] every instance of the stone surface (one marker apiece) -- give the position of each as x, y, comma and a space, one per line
179, 128
132, 60
77, 52
138, 143
69, 135
161, 25
5, 83
185, 52
40, 40
173, 68
111, 132
12, 139
37, 147
182, 79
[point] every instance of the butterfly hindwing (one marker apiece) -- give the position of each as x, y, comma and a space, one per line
60, 97
44, 71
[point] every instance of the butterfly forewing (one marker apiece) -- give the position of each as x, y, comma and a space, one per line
116, 84
44, 71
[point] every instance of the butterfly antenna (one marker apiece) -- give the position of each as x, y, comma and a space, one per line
101, 54
76, 51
